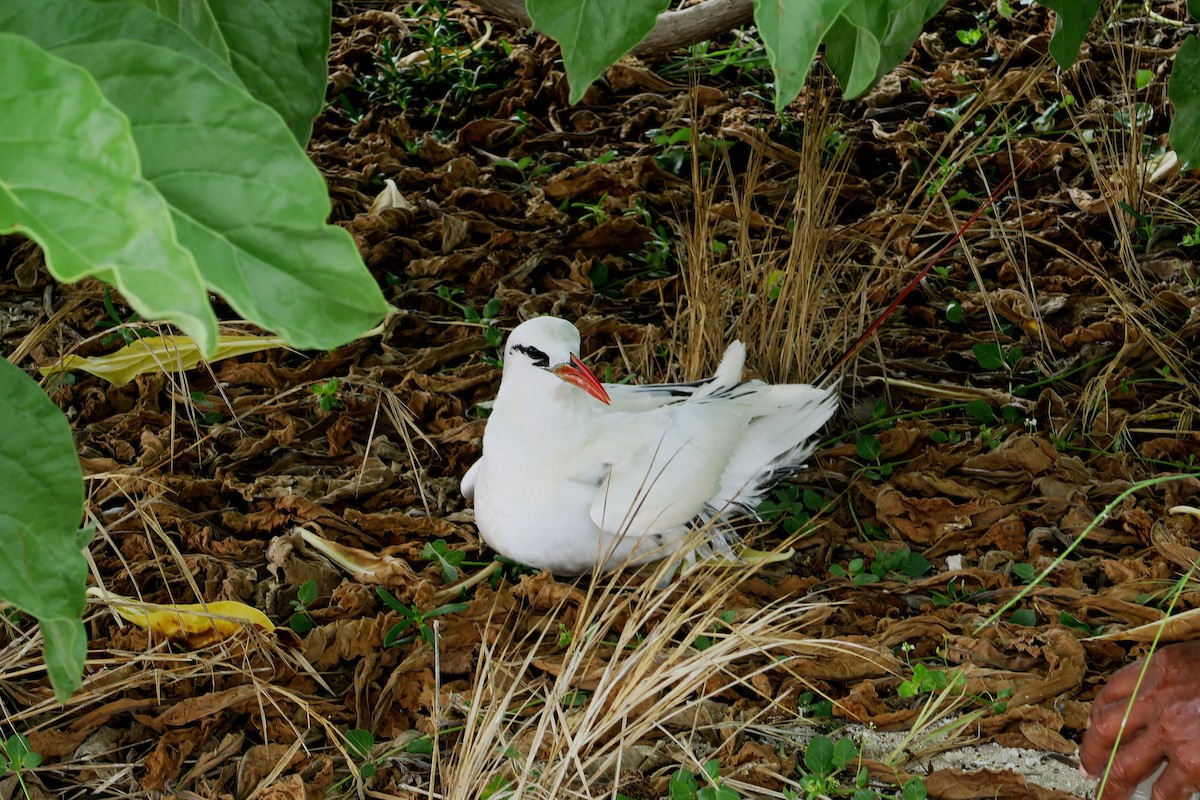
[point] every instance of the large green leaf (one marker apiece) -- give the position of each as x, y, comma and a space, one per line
593, 33
42, 567
69, 179
791, 31
58, 23
193, 16
244, 197
278, 47
1184, 91
1073, 20
246, 200
872, 37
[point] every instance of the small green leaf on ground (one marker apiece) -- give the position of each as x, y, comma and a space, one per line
360, 742
980, 410
868, 448
989, 355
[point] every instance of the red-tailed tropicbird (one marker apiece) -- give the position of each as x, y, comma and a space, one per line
576, 473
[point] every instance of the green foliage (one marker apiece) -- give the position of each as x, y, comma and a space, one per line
435, 69
306, 595
360, 742
1184, 91
925, 681
864, 40
41, 494
225, 193
278, 51
792, 507
593, 33
792, 32
684, 785
871, 37
1023, 616
16, 755
327, 394
825, 759
448, 559
68, 156
1072, 21
981, 411
900, 564
412, 617
486, 318
723, 622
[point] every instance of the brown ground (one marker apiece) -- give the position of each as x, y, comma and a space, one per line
986, 471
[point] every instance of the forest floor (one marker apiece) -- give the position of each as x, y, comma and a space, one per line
1009, 419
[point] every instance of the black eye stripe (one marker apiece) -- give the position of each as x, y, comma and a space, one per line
538, 358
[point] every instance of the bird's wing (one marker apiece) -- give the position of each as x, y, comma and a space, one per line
649, 396
467, 487
658, 469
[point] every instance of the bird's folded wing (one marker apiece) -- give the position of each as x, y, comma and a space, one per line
626, 397
661, 468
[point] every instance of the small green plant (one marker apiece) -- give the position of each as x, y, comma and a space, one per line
792, 507
207, 409
360, 742
450, 560
1024, 572
956, 592
593, 212
435, 70
1065, 618
1023, 616
969, 36
122, 333
525, 166
992, 357
901, 564
870, 449
813, 706
705, 641
925, 680
412, 617
485, 318
683, 785
496, 787
825, 759
306, 595
328, 394
607, 157
17, 756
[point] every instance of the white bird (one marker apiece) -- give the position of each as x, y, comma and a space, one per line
576, 473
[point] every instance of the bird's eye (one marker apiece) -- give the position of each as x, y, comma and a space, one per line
538, 358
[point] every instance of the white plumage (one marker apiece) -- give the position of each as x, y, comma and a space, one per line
568, 481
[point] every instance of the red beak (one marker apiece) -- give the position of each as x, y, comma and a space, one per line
578, 374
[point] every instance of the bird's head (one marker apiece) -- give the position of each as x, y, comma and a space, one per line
551, 345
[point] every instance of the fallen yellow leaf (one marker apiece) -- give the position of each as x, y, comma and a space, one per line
154, 353
194, 625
